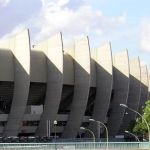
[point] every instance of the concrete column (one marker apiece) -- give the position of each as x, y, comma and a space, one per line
120, 93
53, 49
104, 82
144, 87
81, 88
20, 46
134, 93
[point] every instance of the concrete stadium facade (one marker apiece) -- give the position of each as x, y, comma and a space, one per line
47, 83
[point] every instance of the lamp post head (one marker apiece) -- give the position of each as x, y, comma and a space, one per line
124, 105
82, 128
55, 122
91, 120
126, 131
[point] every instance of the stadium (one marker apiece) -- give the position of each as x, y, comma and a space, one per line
46, 90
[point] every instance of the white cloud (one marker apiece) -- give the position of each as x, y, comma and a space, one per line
63, 2
145, 35
3, 3
56, 16
142, 63
19, 28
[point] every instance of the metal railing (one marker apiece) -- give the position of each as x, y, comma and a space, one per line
74, 146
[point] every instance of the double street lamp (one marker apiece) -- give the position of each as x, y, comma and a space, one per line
132, 135
91, 132
148, 128
100, 123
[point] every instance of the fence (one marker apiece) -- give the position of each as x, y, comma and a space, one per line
74, 146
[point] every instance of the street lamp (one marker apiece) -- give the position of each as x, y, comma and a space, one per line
91, 132
132, 135
125, 106
92, 120
55, 123
98, 132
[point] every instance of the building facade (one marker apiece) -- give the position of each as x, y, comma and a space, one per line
46, 82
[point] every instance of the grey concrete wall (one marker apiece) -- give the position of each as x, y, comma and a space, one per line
144, 87
54, 53
104, 82
20, 46
81, 88
38, 66
6, 59
121, 90
68, 77
93, 68
134, 93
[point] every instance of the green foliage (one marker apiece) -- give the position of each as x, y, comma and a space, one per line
140, 126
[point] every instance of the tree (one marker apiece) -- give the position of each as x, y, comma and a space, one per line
140, 126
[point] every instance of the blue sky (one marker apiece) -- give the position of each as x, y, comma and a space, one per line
125, 23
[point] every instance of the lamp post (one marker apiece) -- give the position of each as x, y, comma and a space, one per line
55, 123
148, 128
48, 130
91, 132
99, 126
132, 135
99, 122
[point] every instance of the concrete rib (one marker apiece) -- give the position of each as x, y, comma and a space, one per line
20, 46
144, 87
120, 93
81, 88
134, 93
104, 82
54, 54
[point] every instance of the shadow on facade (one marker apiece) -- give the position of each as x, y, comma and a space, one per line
19, 101
133, 102
120, 96
79, 102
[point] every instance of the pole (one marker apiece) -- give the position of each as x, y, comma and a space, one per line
92, 134
82, 128
137, 139
49, 128
99, 122
55, 123
125, 106
99, 130
144, 121
106, 133
55, 132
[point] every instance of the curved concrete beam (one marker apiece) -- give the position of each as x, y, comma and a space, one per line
134, 93
54, 53
81, 88
120, 93
20, 46
144, 87
104, 82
